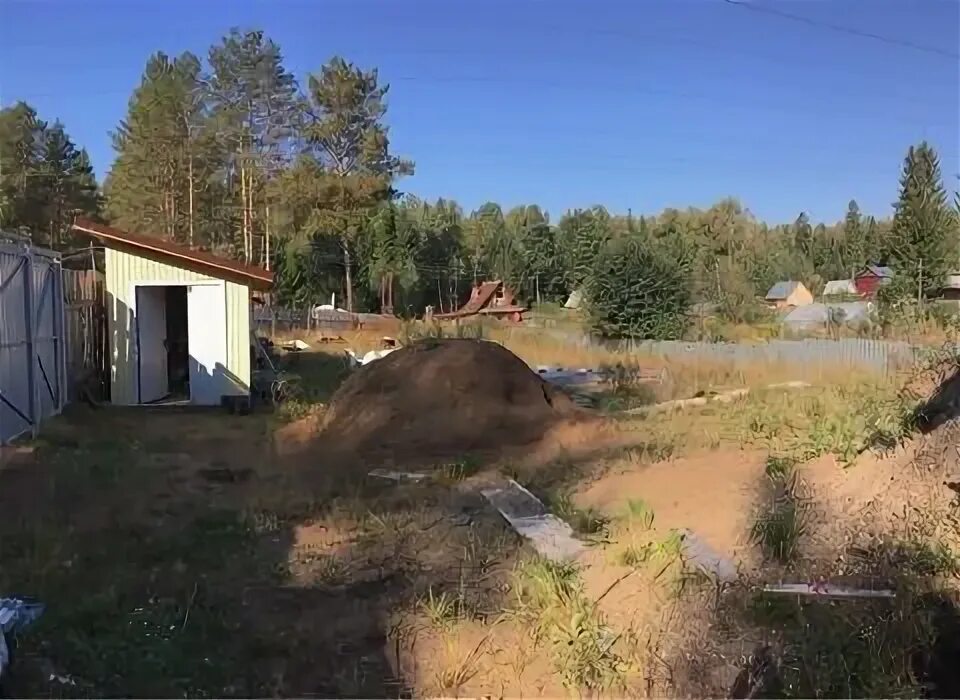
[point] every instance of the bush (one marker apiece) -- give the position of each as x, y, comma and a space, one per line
636, 291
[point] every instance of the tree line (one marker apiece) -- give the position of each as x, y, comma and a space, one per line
232, 154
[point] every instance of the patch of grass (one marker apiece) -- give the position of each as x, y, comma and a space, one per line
459, 469
779, 467
541, 584
850, 649
843, 419
420, 331
584, 521
636, 555
779, 527
442, 610
458, 670
639, 513
551, 601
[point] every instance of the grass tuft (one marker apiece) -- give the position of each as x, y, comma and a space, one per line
779, 527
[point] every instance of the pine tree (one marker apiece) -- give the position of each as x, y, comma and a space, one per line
21, 145
155, 181
583, 234
254, 109
345, 131
44, 179
803, 235
854, 239
394, 245
484, 228
924, 241
66, 184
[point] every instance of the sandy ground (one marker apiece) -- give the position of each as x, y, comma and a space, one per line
714, 494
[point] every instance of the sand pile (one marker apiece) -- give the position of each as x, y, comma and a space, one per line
443, 398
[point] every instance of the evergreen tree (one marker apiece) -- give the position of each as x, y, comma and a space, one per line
253, 107
21, 145
164, 160
854, 236
485, 230
45, 180
345, 129
924, 240
803, 235
394, 245
67, 185
637, 291
583, 234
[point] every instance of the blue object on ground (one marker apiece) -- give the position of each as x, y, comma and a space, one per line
15, 614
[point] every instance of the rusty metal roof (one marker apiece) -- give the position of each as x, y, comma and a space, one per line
200, 261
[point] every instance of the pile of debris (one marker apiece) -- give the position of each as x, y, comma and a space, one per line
439, 398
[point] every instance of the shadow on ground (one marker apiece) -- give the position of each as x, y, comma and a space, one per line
188, 552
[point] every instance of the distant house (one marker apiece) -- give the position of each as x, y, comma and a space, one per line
951, 288
488, 299
871, 278
819, 315
574, 300
788, 294
839, 288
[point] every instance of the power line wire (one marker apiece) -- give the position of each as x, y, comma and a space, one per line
894, 41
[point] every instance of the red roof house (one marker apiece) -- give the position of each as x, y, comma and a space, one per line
868, 280
489, 299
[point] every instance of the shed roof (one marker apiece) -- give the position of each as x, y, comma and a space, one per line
782, 290
881, 271
199, 261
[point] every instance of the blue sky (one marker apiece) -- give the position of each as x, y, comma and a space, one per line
636, 104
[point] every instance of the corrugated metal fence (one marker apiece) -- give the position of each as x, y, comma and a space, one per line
877, 355
32, 357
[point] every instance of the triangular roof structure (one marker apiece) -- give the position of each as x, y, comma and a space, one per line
782, 290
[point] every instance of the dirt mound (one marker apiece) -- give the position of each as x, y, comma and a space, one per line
443, 398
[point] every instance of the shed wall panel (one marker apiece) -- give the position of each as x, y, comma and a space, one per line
123, 271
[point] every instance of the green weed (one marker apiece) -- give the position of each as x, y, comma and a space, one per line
779, 527
541, 584
442, 610
460, 469
639, 513
585, 521
551, 600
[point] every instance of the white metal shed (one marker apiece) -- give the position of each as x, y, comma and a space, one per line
178, 319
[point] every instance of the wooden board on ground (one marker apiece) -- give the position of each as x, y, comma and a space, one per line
550, 536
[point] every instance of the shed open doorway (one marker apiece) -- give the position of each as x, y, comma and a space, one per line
163, 369
181, 343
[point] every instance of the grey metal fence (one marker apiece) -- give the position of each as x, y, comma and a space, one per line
878, 355
32, 348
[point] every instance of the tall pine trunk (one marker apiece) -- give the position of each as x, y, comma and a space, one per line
266, 237
245, 226
190, 196
348, 272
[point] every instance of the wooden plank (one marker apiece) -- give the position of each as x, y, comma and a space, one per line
550, 536
827, 590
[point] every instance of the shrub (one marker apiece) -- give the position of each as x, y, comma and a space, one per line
637, 291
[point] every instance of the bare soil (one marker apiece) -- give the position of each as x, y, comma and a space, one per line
442, 398
713, 494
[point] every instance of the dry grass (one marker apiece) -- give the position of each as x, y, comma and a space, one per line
288, 583
685, 377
